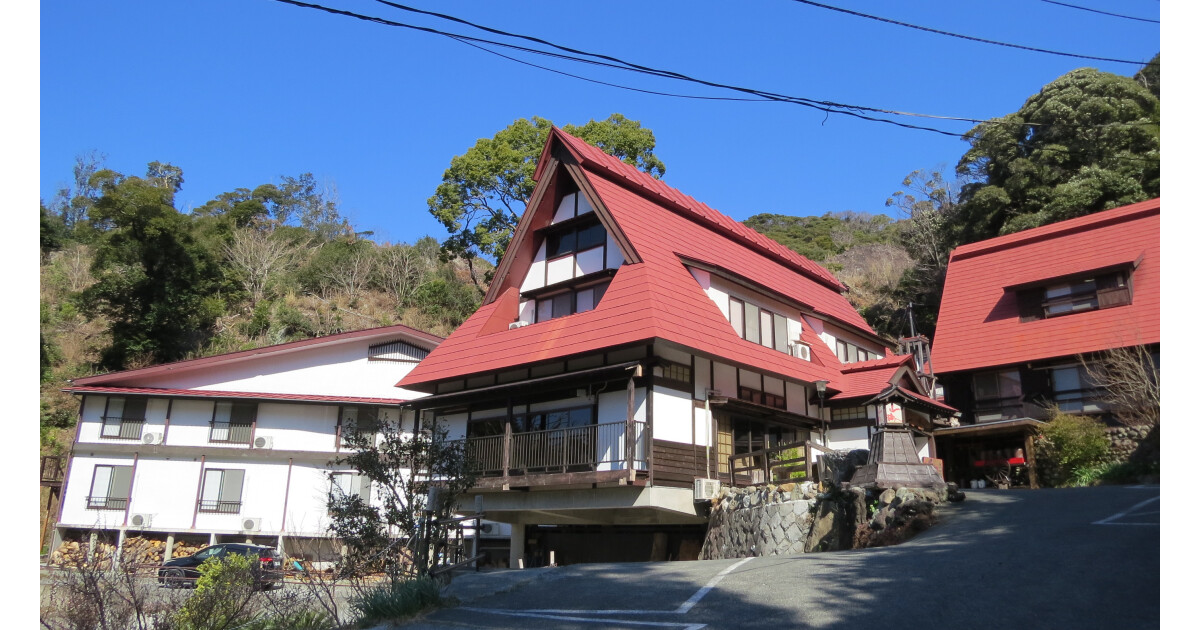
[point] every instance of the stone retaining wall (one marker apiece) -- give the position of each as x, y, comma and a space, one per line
760, 521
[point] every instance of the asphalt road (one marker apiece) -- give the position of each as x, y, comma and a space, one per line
1083, 558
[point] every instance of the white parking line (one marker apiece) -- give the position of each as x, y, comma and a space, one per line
1118, 515
624, 622
568, 614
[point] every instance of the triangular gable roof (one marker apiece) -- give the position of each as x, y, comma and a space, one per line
654, 296
979, 325
869, 378
418, 338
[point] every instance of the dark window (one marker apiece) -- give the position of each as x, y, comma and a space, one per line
1074, 296
762, 398
485, 427
570, 302
110, 488
123, 418
576, 239
848, 413
232, 422
358, 424
1074, 391
221, 491
675, 375
754, 435
998, 395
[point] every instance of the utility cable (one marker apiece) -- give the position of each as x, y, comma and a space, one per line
966, 37
1075, 6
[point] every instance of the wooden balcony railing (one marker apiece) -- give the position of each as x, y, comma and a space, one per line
610, 446
778, 464
52, 470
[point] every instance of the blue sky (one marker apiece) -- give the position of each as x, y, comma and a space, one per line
240, 92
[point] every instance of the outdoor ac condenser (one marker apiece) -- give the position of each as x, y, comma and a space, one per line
152, 438
705, 489
264, 441
140, 520
251, 524
801, 351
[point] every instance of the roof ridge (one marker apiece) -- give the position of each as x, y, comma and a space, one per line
1059, 228
692, 209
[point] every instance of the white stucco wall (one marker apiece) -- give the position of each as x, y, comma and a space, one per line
78, 486
673, 415
848, 438
339, 369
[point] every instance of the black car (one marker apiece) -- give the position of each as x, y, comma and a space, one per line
265, 562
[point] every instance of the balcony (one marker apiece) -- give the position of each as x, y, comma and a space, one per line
52, 470
107, 503
230, 433
122, 428
594, 453
220, 507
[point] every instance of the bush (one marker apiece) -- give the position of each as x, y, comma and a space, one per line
1069, 450
396, 600
222, 597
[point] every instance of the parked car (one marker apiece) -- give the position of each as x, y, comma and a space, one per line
265, 562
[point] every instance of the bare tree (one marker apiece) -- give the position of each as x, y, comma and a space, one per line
352, 272
402, 269
259, 256
1128, 381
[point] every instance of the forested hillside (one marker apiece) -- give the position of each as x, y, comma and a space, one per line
128, 280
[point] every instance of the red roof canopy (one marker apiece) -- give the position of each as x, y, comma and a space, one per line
979, 325
208, 393
656, 298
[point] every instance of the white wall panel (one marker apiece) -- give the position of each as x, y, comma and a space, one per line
166, 489
79, 486
847, 438
589, 261
615, 259
560, 269
535, 277
566, 209
673, 415
303, 427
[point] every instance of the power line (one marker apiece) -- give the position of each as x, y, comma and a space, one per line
612, 62
1074, 6
966, 37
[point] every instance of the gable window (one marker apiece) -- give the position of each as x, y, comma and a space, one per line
222, 491
357, 424
1075, 296
110, 488
123, 418
997, 395
232, 422
674, 375
577, 238
848, 413
346, 484
762, 398
570, 302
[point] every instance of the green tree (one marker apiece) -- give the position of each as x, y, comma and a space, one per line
1088, 141
153, 282
483, 193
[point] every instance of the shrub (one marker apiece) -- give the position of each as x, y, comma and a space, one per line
1068, 448
396, 600
222, 597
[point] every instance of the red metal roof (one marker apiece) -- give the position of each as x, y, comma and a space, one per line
412, 334
657, 298
979, 325
207, 393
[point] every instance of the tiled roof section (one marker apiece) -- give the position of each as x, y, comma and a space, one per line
206, 393
868, 378
419, 337
979, 325
891, 360
630, 176
657, 298
926, 399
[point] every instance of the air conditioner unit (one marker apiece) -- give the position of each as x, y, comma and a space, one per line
251, 524
801, 351
140, 520
264, 441
705, 489
517, 325
487, 528
152, 438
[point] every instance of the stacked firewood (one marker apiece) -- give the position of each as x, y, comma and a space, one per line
182, 549
74, 553
138, 550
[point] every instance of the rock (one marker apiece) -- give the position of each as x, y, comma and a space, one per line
887, 496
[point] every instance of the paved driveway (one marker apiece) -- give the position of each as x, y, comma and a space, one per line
1079, 558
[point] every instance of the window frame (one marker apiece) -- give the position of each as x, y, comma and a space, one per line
999, 405
126, 427
230, 425
597, 289
109, 501
373, 423
221, 505
573, 227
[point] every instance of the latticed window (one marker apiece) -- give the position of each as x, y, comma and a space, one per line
848, 413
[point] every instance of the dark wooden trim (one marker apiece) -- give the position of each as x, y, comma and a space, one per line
287, 490
650, 358
678, 465
167, 420
129, 491
555, 479
199, 487
519, 234
573, 284
585, 188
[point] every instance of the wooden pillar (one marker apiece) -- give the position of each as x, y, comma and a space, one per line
1030, 464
